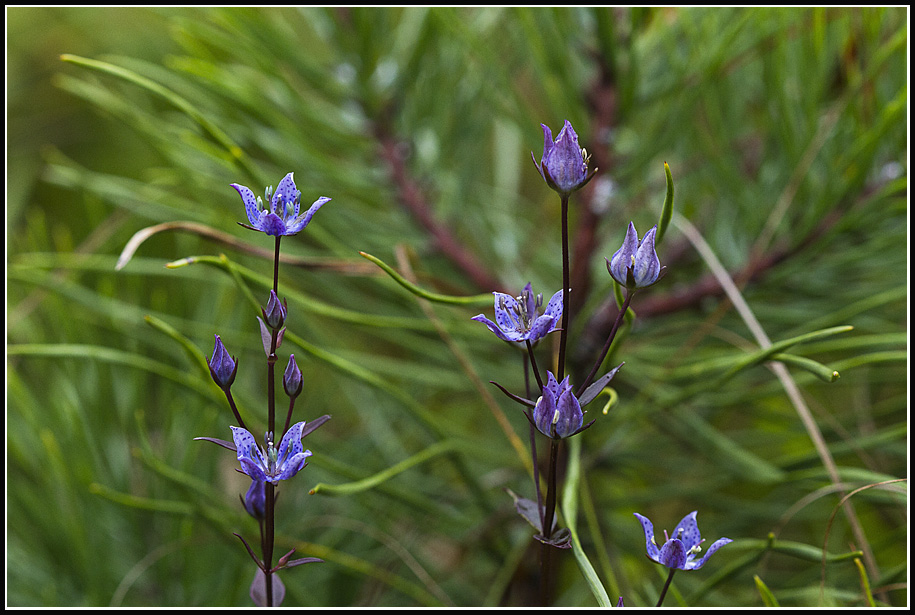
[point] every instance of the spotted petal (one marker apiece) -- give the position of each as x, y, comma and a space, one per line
492, 326
291, 454
272, 225
696, 565
249, 455
549, 320
650, 546
300, 222
688, 531
247, 197
673, 554
284, 195
647, 266
622, 259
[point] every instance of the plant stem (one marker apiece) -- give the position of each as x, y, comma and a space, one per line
276, 262
564, 332
269, 489
550, 511
533, 437
546, 530
530, 354
607, 344
670, 577
241, 423
268, 546
289, 415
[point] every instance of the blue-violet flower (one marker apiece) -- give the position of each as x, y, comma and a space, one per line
292, 378
558, 413
222, 366
635, 264
520, 319
275, 312
283, 216
564, 165
271, 465
679, 551
256, 499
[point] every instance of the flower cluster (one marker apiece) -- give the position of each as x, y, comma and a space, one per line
268, 465
557, 413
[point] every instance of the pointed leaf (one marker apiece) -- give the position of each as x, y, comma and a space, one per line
594, 390
527, 509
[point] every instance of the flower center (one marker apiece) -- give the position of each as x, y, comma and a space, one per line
522, 318
271, 455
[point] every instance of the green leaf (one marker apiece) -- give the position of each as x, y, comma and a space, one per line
767, 596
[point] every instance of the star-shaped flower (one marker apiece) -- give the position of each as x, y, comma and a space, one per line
679, 551
283, 216
271, 465
519, 319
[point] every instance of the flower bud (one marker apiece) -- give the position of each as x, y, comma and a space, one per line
636, 265
255, 499
275, 314
564, 165
558, 413
222, 366
292, 378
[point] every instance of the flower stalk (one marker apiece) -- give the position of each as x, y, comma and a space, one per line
269, 465
564, 327
670, 578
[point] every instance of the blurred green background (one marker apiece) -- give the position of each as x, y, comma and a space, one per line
786, 134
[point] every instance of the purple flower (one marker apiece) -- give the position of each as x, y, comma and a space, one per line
256, 498
275, 313
271, 465
558, 413
681, 550
292, 378
635, 264
519, 318
283, 216
564, 165
222, 366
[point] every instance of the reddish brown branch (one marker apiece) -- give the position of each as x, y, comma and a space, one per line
413, 199
691, 295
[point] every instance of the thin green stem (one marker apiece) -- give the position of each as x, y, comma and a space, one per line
670, 577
